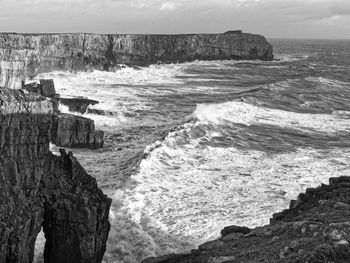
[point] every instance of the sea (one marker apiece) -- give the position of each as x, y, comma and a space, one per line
191, 148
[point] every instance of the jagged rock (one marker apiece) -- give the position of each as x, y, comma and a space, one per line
69, 130
316, 228
234, 229
23, 56
75, 132
39, 189
33, 87
78, 104
75, 214
47, 87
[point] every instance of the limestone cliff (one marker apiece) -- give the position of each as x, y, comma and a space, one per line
25, 55
316, 228
38, 189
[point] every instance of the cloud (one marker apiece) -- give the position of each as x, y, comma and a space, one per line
169, 6
271, 17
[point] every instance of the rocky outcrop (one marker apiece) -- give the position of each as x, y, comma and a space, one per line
26, 55
45, 88
68, 130
75, 132
78, 104
38, 189
316, 228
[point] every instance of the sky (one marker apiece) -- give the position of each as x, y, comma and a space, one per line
272, 18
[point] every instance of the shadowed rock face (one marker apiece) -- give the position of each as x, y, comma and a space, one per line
75, 132
25, 55
78, 104
316, 228
38, 189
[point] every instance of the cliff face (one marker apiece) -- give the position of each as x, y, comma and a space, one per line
75, 132
38, 189
316, 228
25, 55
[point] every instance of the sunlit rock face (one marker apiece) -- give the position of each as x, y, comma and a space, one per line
25, 55
38, 189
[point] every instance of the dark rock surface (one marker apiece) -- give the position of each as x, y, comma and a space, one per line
39, 189
26, 55
45, 88
78, 104
68, 130
316, 228
75, 132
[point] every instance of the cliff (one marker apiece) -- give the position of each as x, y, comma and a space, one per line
38, 189
26, 55
316, 228
68, 130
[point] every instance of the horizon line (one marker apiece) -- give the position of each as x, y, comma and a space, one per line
202, 33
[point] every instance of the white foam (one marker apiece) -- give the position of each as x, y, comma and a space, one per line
329, 82
244, 113
100, 120
187, 191
119, 93
185, 195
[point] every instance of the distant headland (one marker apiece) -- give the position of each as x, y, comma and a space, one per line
26, 55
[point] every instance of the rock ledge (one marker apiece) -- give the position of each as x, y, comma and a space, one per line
316, 228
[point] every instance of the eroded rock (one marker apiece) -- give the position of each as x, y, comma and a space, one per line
39, 189
75, 132
24, 56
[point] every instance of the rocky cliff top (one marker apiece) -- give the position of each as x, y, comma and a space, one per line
26, 55
22, 102
316, 228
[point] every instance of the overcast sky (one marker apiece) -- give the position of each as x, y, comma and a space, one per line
272, 18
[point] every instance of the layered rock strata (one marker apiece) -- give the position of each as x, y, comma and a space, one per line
68, 130
25, 55
38, 189
75, 132
316, 228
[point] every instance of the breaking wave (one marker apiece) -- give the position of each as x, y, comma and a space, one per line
196, 181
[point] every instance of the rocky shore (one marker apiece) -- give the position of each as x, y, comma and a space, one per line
316, 228
41, 190
26, 55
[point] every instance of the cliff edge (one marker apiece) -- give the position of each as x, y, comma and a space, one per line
41, 190
26, 55
316, 228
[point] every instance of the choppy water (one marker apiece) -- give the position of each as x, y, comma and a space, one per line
191, 148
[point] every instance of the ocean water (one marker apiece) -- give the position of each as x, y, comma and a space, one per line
191, 148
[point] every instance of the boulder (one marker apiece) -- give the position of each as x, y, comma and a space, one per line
47, 87
75, 132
